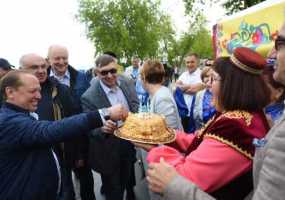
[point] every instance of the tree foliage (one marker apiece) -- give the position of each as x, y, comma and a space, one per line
231, 6
199, 42
127, 27
139, 28
196, 40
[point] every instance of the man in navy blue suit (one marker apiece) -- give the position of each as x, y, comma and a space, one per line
29, 168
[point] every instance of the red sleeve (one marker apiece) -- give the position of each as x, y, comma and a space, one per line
182, 141
210, 166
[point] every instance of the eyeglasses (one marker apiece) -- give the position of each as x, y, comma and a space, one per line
279, 42
106, 72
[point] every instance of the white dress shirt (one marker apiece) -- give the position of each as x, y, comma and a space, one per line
36, 116
115, 95
65, 79
190, 78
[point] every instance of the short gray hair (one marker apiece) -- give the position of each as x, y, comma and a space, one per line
104, 60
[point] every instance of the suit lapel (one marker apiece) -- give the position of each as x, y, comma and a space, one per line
100, 98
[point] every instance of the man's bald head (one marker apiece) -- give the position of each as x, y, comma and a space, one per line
36, 64
56, 47
26, 59
58, 59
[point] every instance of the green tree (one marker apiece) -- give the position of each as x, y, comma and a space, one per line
179, 48
199, 42
202, 44
231, 6
127, 27
167, 34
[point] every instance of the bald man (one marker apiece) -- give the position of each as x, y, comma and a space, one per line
54, 94
55, 104
77, 82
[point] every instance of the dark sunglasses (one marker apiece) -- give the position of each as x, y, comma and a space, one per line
279, 42
106, 72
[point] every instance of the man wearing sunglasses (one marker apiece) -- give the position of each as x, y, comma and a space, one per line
110, 156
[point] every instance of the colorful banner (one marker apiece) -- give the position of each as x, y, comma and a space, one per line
256, 28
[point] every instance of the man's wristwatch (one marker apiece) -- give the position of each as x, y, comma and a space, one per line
106, 113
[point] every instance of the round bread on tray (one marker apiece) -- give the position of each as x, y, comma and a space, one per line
147, 128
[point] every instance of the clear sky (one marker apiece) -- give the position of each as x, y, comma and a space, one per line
31, 26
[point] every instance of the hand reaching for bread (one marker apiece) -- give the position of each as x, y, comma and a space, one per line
118, 112
109, 127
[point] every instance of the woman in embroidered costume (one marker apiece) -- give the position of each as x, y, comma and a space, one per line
218, 158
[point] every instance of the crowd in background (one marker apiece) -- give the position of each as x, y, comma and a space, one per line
221, 110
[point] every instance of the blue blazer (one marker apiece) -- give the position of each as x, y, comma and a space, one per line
27, 167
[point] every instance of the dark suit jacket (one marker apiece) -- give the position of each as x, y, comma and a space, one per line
75, 148
106, 150
55, 94
27, 167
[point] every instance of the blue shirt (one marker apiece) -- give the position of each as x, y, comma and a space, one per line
275, 111
143, 96
65, 79
115, 95
135, 73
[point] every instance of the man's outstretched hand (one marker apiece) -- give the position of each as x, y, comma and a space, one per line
109, 127
118, 112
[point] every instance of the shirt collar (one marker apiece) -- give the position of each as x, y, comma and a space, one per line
107, 89
135, 68
194, 72
66, 75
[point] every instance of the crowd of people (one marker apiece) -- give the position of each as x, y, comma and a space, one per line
56, 120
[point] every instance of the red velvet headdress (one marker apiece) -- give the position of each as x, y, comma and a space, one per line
248, 60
